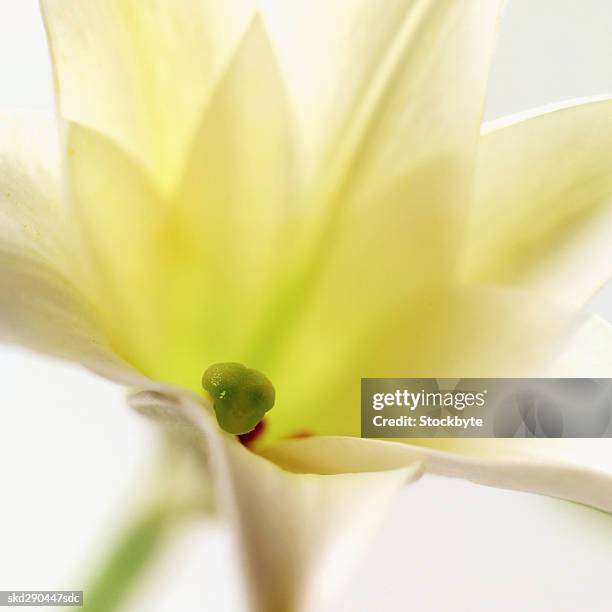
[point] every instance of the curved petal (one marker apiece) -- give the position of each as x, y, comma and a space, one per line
577, 470
192, 264
299, 535
543, 202
399, 82
201, 315
140, 71
32, 215
40, 307
476, 332
238, 194
536, 466
388, 117
120, 215
587, 352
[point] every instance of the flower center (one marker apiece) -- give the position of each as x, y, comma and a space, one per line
241, 396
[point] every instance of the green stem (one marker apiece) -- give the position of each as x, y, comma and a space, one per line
176, 491
127, 561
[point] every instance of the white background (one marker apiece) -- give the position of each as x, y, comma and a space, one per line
72, 455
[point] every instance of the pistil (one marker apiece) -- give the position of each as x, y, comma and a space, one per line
241, 396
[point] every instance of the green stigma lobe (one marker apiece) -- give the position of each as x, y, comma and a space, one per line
241, 396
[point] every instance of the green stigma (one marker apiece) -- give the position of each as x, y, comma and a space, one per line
241, 396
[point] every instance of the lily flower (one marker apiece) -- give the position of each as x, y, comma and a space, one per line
306, 188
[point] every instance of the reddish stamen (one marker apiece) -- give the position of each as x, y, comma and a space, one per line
249, 438
298, 435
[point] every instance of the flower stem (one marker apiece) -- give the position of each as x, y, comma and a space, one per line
127, 561
178, 488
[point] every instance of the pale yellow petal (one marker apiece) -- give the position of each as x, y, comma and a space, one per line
577, 470
586, 353
478, 332
388, 103
40, 306
231, 267
299, 535
543, 201
183, 271
42, 310
32, 215
400, 82
549, 467
122, 220
140, 71
388, 100
238, 196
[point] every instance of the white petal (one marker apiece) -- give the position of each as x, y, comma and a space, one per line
300, 534
388, 103
32, 216
475, 332
401, 81
587, 353
543, 208
42, 310
192, 265
236, 200
576, 470
139, 71
537, 466
39, 305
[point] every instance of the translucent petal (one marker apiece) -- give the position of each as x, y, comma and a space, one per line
388, 87
543, 203
40, 305
470, 332
577, 470
140, 71
177, 275
299, 535
558, 468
